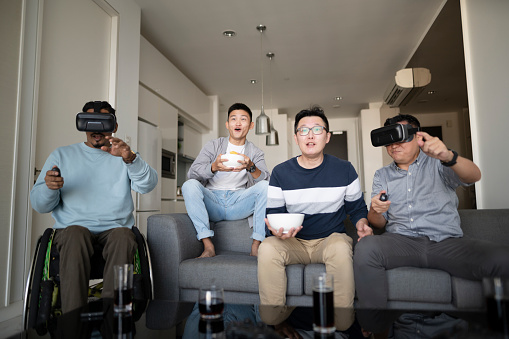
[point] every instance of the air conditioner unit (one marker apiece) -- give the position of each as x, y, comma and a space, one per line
407, 83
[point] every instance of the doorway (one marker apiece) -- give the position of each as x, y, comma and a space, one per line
338, 145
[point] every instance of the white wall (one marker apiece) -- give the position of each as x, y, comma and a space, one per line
216, 121
159, 75
11, 37
486, 46
372, 156
274, 155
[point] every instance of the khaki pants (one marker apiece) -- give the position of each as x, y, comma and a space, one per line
75, 245
275, 254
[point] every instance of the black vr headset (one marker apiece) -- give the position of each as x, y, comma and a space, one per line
391, 134
96, 122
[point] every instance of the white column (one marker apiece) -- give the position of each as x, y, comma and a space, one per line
485, 28
371, 156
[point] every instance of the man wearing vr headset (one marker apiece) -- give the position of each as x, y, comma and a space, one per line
421, 217
87, 187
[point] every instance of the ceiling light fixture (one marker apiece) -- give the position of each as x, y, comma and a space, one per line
262, 121
272, 139
229, 33
253, 81
338, 98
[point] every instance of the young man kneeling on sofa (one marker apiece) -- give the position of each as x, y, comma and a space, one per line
421, 218
325, 189
216, 192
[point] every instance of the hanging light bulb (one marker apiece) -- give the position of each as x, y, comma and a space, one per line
262, 121
272, 139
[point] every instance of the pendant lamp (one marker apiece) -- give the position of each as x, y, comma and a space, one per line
262, 121
272, 139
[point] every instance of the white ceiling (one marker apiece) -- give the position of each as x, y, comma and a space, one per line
323, 48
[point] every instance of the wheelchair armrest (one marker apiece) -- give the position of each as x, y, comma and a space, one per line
171, 239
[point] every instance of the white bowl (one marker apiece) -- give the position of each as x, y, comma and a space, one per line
285, 220
232, 160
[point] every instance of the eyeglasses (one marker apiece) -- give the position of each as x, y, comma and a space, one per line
315, 129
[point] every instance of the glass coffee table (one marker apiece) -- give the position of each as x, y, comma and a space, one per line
158, 318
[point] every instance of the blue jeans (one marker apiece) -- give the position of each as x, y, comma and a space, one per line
237, 313
204, 205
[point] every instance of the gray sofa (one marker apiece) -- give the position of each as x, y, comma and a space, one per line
178, 274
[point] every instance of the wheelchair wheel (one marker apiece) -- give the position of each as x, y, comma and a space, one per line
145, 263
34, 281
36, 313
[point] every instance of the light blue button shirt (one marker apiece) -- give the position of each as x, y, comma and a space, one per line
423, 199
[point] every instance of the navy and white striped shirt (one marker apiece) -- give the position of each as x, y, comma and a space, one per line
325, 194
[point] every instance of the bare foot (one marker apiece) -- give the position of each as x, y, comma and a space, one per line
209, 250
207, 253
254, 248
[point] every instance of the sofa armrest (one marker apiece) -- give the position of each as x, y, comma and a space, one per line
171, 240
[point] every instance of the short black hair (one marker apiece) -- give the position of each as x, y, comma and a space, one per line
102, 105
313, 111
403, 117
242, 107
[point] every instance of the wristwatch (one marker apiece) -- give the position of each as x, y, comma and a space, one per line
251, 169
133, 157
453, 161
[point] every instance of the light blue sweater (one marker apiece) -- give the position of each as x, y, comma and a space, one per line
97, 188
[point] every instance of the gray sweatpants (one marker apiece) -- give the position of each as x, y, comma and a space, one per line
462, 257
75, 245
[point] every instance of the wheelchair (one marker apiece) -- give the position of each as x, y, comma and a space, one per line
42, 298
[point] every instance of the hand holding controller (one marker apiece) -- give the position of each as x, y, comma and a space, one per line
53, 179
380, 203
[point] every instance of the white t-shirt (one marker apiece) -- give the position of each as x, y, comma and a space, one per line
229, 181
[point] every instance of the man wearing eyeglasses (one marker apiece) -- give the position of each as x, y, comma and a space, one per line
325, 189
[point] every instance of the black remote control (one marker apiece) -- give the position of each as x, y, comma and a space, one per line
57, 170
383, 197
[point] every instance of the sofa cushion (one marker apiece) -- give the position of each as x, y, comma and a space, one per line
226, 270
295, 279
232, 235
419, 284
488, 224
467, 293
230, 268
310, 271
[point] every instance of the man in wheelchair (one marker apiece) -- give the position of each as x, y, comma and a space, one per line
87, 187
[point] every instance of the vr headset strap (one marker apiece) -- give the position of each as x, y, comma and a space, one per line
413, 130
97, 106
